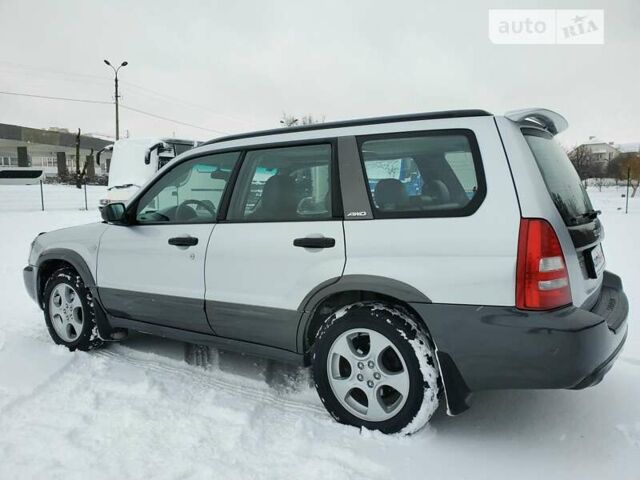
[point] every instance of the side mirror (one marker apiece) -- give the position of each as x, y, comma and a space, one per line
108, 148
147, 155
114, 213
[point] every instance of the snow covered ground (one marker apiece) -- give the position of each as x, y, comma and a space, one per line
140, 410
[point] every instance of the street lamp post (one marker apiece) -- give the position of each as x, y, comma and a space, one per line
115, 71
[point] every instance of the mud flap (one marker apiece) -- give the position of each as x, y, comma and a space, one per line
105, 331
456, 392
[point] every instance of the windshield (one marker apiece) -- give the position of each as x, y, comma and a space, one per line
127, 165
561, 178
180, 147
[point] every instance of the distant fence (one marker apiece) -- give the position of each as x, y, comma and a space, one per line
50, 197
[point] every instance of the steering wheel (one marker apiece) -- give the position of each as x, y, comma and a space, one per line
185, 212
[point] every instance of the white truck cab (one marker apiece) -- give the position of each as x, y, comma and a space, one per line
136, 160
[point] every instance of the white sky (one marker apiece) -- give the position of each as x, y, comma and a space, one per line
237, 65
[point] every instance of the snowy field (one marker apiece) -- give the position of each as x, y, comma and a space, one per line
141, 410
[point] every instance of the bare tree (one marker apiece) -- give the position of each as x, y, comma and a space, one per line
627, 163
613, 171
599, 182
582, 160
292, 121
310, 120
288, 120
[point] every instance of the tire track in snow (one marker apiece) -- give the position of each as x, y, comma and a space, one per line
204, 378
20, 397
265, 412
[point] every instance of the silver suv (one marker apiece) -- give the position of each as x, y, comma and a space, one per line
408, 260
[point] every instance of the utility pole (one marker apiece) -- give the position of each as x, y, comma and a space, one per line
626, 199
115, 71
78, 159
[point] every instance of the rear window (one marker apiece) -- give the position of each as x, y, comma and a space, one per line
562, 180
423, 174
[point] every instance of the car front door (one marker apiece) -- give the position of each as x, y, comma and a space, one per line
282, 238
153, 269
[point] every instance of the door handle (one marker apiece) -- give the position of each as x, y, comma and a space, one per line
183, 241
314, 242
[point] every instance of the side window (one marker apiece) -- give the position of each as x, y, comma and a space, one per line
424, 174
404, 170
188, 193
284, 184
462, 165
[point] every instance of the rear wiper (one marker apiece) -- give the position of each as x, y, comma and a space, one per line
590, 215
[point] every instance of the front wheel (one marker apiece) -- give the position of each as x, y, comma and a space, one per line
374, 367
69, 311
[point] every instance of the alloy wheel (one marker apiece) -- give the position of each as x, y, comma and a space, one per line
66, 312
367, 374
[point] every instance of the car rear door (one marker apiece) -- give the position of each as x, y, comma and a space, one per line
574, 205
549, 187
282, 238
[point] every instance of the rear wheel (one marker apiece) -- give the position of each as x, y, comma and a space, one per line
374, 367
69, 311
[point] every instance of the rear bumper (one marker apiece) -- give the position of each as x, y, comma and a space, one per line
485, 348
30, 277
598, 374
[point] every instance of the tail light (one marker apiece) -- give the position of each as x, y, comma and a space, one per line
542, 279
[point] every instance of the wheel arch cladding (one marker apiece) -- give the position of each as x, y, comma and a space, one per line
51, 260
332, 302
326, 299
357, 288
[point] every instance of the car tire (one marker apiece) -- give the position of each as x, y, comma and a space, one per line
374, 367
69, 311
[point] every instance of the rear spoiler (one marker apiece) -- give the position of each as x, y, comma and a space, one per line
551, 121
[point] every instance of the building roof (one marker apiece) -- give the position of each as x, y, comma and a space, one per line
594, 141
54, 138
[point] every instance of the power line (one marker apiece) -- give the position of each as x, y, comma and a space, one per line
40, 69
181, 101
102, 102
48, 76
95, 78
170, 119
66, 99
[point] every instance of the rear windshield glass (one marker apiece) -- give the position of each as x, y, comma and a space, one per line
562, 180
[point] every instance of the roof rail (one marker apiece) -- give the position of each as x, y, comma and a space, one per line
355, 123
551, 121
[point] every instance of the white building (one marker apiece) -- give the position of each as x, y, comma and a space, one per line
601, 152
